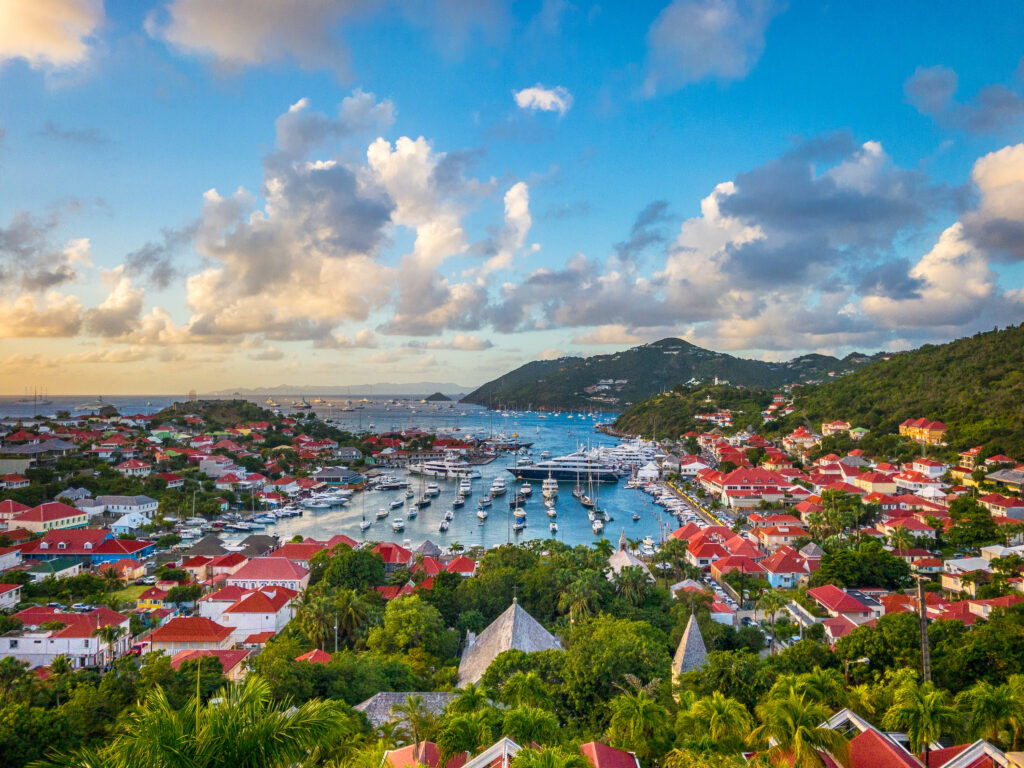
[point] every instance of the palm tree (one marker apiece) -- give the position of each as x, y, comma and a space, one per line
687, 758
350, 612
418, 719
824, 685
718, 717
110, 634
580, 599
792, 730
111, 579
771, 602
924, 712
316, 618
639, 723
241, 727
549, 757
530, 725
470, 699
633, 584
525, 689
461, 733
900, 538
991, 709
455, 546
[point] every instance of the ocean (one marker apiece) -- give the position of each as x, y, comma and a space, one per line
558, 433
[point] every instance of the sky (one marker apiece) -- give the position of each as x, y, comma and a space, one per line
243, 193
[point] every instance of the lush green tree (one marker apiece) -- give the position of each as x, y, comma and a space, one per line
549, 757
410, 622
241, 727
530, 725
925, 712
772, 603
717, 720
791, 730
415, 716
992, 711
600, 653
639, 723
525, 689
973, 525
867, 565
470, 698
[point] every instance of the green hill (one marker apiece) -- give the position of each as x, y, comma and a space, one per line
974, 385
611, 382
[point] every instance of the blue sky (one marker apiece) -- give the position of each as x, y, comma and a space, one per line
446, 190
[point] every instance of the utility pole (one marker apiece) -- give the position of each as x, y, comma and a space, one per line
922, 612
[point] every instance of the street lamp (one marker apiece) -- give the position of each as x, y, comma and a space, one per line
848, 662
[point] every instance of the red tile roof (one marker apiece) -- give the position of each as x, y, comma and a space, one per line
229, 657
189, 629
48, 512
270, 569
266, 600
316, 656
602, 756
834, 599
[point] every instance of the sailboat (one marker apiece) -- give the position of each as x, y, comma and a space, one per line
364, 523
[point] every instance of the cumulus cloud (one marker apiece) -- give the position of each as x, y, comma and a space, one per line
557, 99
156, 261
119, 313
609, 334
245, 33
463, 343
995, 108
268, 354
26, 317
49, 33
299, 130
32, 257
693, 40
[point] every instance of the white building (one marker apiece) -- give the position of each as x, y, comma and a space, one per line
123, 505
76, 640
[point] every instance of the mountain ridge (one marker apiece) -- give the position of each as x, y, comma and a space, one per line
612, 381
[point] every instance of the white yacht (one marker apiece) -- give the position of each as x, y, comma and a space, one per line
481, 513
498, 487
597, 526
581, 466
451, 467
465, 488
526, 489
398, 524
549, 488
553, 527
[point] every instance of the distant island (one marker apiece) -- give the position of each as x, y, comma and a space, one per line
438, 397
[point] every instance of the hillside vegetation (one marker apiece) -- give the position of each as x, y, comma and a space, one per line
640, 372
974, 385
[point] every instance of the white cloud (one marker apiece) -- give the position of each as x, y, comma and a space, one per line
609, 334
463, 343
557, 99
692, 40
244, 33
119, 313
48, 33
25, 317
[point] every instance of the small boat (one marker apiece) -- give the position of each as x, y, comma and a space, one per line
597, 526
398, 524
466, 488
409, 494
442, 526
587, 502
423, 502
481, 513
516, 500
433, 489
518, 526
498, 487
381, 514
553, 527
364, 524
578, 492
636, 517
411, 514
549, 488
396, 504
449, 515
526, 489
459, 501
519, 514
485, 501
551, 512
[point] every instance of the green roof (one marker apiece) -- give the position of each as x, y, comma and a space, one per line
54, 566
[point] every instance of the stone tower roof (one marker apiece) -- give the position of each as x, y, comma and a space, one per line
514, 628
691, 653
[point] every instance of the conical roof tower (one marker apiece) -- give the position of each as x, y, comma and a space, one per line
691, 653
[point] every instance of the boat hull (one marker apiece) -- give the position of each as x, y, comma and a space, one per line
564, 475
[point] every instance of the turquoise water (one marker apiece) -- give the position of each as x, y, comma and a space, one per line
560, 434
